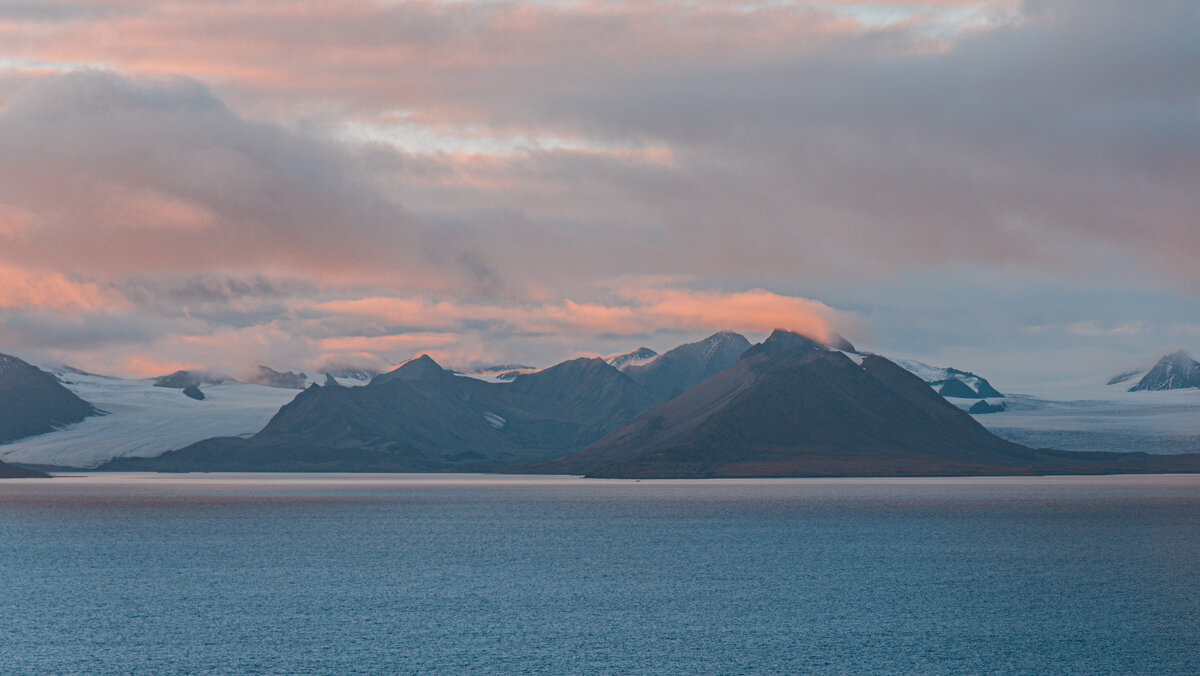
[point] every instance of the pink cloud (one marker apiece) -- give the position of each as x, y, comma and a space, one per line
639, 311
23, 289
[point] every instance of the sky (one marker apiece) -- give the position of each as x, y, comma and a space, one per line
1007, 187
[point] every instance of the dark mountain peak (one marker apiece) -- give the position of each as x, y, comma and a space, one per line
193, 392
782, 342
1175, 371
1179, 357
418, 368
12, 368
798, 409
838, 342
791, 340
349, 372
8, 361
33, 401
581, 367
265, 375
724, 338
330, 381
181, 379
676, 370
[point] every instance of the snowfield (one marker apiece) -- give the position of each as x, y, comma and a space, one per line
1100, 418
143, 420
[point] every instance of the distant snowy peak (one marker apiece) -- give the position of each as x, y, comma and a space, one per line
181, 379
1175, 371
951, 382
498, 373
638, 356
676, 370
1126, 376
724, 342
265, 375
353, 373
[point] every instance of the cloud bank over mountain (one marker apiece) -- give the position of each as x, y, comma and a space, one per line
367, 180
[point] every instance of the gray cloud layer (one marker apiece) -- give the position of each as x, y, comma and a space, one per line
728, 150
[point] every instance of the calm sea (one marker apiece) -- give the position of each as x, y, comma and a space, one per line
472, 574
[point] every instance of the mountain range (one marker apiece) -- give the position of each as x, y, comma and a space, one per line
421, 417
793, 407
789, 406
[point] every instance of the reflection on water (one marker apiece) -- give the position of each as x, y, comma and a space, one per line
379, 573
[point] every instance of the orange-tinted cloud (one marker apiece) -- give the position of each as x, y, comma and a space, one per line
639, 311
23, 289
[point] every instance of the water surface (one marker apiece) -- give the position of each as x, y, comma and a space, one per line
424, 573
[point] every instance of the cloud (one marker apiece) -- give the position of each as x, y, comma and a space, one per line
104, 175
742, 141
22, 289
244, 174
636, 312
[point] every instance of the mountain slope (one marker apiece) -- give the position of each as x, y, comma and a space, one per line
32, 401
181, 379
639, 356
8, 471
1175, 371
791, 407
676, 370
421, 417
951, 382
142, 420
289, 380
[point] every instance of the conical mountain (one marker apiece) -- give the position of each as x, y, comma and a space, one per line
792, 407
1175, 371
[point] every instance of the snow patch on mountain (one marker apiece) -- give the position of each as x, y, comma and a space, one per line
498, 373
951, 383
856, 357
1175, 371
635, 358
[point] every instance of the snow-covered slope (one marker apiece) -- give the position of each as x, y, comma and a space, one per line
143, 420
638, 357
951, 382
1175, 371
1090, 417
498, 373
